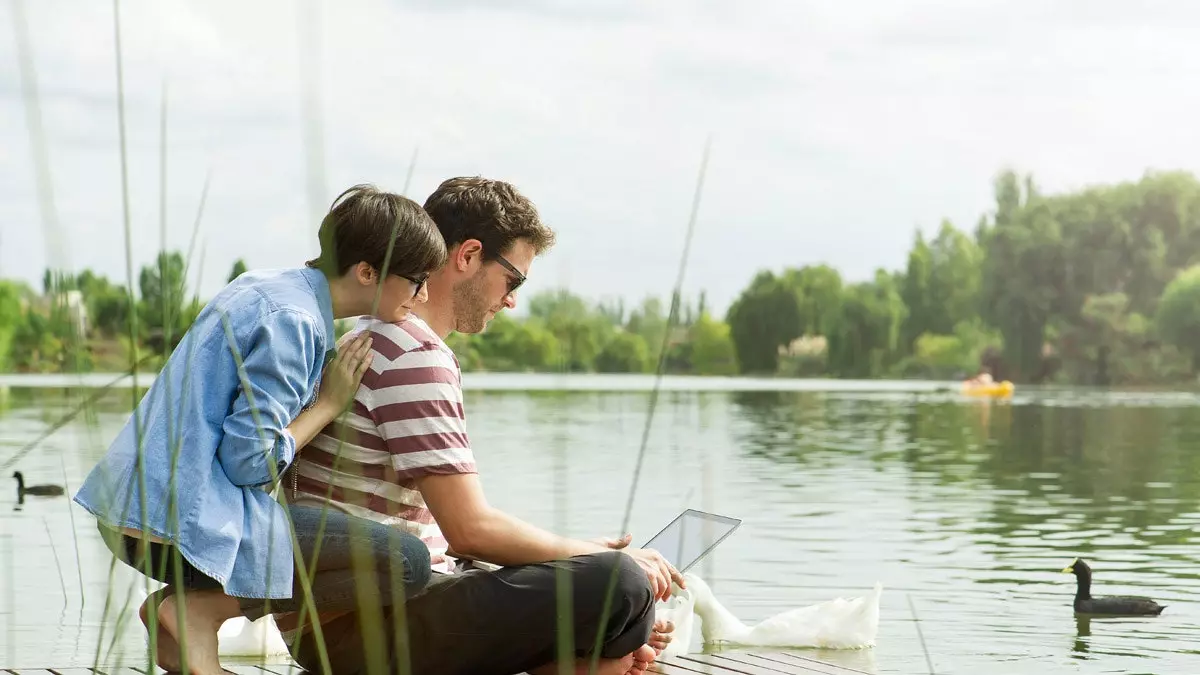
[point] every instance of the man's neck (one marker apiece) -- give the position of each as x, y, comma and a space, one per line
440, 320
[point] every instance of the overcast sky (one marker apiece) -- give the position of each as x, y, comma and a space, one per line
838, 127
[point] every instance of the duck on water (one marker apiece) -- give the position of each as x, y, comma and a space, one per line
1113, 605
36, 490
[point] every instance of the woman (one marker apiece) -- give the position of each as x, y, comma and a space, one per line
184, 493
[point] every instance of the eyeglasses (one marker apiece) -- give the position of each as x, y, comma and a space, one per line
515, 281
417, 282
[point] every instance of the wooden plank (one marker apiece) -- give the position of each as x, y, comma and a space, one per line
748, 659
675, 667
789, 657
71, 671
281, 669
782, 665
121, 670
240, 669
728, 665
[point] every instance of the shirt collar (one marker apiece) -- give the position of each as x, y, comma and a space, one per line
320, 285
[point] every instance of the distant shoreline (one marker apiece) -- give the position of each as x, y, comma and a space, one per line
502, 381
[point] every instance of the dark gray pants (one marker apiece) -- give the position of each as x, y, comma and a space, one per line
385, 554
480, 622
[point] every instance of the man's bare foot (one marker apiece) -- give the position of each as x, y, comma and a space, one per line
630, 664
166, 649
205, 612
642, 658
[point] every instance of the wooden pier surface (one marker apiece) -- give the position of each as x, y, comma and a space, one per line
723, 663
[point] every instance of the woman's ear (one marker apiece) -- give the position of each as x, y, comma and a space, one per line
365, 274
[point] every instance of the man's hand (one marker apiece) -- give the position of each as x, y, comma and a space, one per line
608, 542
660, 572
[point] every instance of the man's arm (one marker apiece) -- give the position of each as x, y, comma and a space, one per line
475, 529
416, 404
257, 445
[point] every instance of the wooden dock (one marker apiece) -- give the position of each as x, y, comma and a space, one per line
723, 663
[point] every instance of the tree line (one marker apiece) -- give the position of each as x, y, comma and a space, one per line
1096, 286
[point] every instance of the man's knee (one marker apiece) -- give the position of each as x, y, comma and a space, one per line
631, 591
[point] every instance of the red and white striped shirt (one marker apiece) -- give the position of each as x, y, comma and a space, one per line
407, 421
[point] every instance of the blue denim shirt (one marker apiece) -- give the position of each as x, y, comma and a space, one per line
225, 426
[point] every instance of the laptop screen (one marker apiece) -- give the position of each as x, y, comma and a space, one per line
691, 536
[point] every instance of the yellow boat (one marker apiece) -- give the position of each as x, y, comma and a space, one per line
996, 389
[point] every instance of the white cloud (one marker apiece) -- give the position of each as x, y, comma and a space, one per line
838, 126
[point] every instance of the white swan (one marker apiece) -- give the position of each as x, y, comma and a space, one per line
242, 637
835, 624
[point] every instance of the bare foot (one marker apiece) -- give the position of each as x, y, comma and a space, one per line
166, 652
642, 658
630, 664
205, 612
622, 666
660, 636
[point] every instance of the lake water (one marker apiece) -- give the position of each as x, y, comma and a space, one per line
967, 507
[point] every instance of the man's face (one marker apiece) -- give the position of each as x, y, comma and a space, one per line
492, 288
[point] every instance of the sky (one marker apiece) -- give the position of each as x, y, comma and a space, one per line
837, 128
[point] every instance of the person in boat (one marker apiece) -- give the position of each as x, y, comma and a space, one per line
403, 456
187, 487
983, 379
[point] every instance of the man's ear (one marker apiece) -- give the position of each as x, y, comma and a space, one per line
467, 254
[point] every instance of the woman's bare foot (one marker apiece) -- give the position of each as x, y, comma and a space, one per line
205, 612
660, 636
166, 649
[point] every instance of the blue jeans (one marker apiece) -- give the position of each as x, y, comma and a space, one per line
385, 555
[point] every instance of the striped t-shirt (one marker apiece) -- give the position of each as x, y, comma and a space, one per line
407, 421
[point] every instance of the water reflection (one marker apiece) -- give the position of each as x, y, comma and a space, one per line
971, 507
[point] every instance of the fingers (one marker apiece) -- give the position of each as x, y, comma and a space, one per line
354, 356
677, 577
364, 364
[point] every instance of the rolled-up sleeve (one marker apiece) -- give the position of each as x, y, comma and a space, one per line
274, 375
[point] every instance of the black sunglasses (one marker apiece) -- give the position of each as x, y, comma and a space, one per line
418, 282
515, 281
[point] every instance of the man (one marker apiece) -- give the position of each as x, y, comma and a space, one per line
403, 457
184, 492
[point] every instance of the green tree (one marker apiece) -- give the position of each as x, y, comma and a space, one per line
765, 317
1178, 317
649, 321
713, 352
517, 345
163, 291
624, 353
917, 293
1022, 274
107, 304
818, 290
10, 318
941, 284
866, 341
239, 268
581, 333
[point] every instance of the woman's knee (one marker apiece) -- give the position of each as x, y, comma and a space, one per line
399, 551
